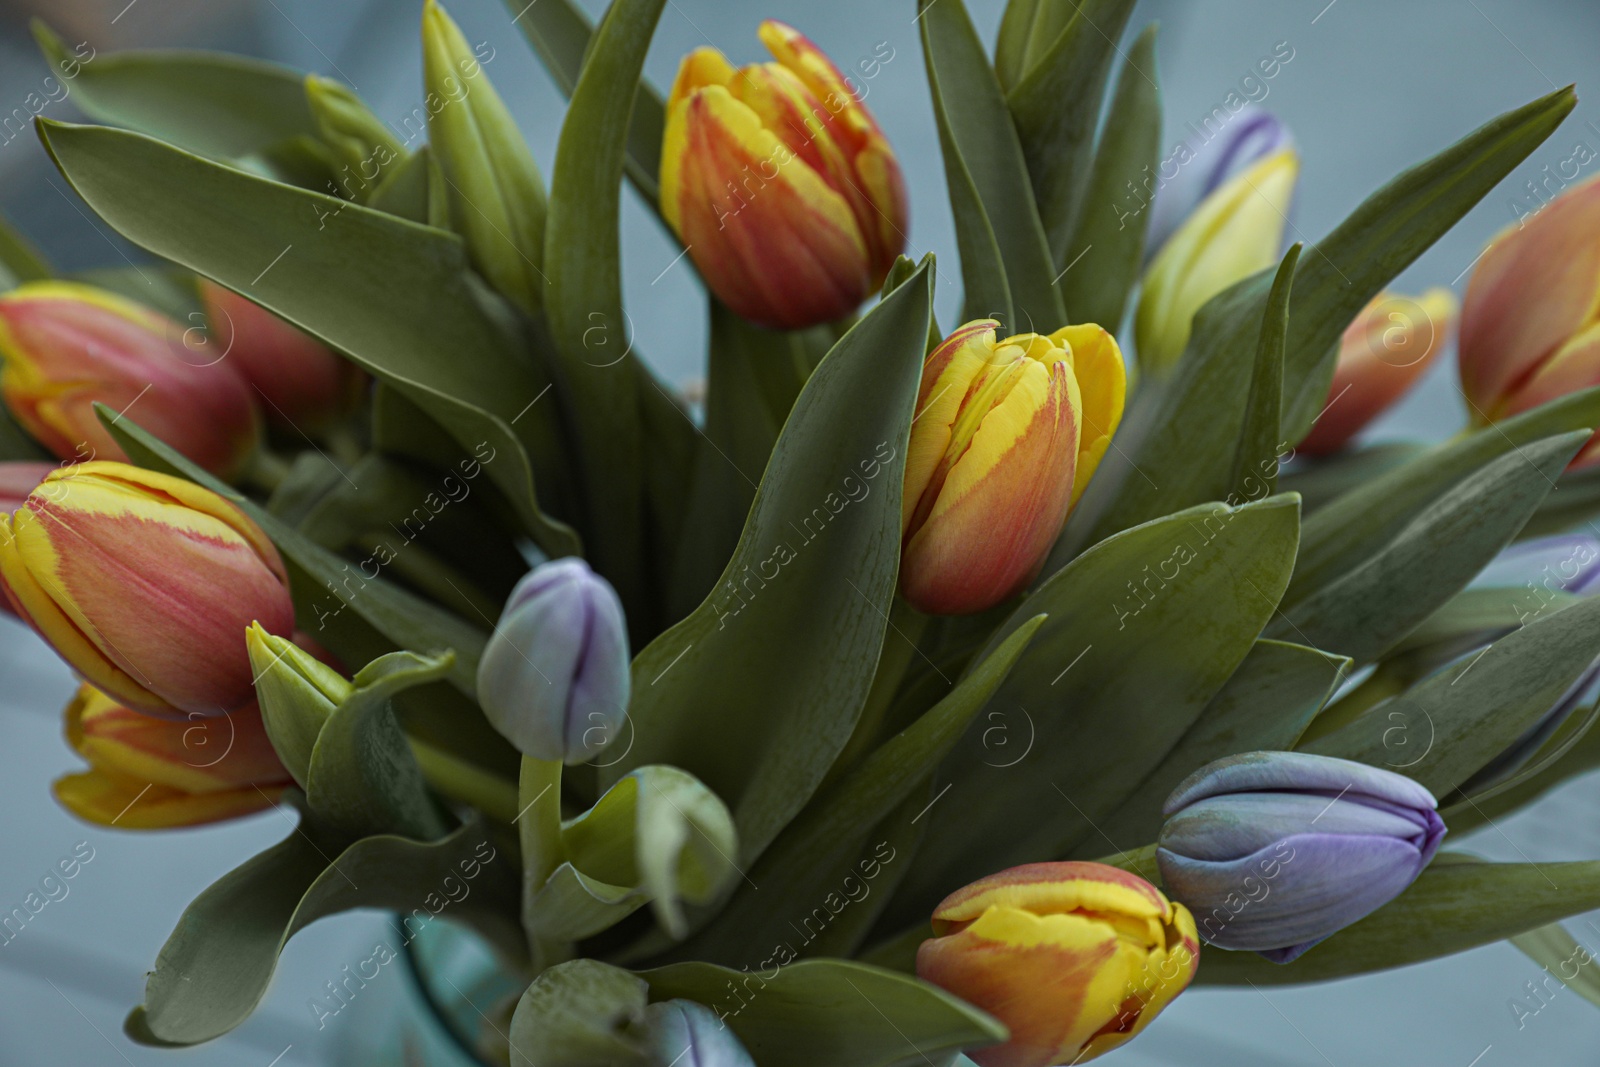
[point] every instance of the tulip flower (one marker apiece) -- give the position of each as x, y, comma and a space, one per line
67, 346
554, 678
1007, 435
1203, 163
149, 774
144, 583
780, 183
17, 480
1530, 322
686, 1032
1075, 958
1235, 232
1274, 851
1381, 355
305, 385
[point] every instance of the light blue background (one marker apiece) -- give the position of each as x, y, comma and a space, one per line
1373, 87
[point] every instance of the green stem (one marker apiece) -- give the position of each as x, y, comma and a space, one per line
265, 469
466, 782
539, 829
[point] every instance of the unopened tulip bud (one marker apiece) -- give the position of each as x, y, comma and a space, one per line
1530, 322
149, 774
1235, 232
689, 1033
1007, 435
1075, 958
1274, 851
303, 384
780, 184
360, 142
554, 678
297, 693
68, 346
496, 194
17, 480
1381, 355
1204, 162
144, 583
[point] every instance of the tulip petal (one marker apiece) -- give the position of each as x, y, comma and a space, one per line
774, 241
1536, 285
105, 800
947, 378
1237, 824
1255, 771
1050, 888
1097, 365
1008, 492
1323, 883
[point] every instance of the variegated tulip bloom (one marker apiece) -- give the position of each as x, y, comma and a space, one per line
780, 183
1382, 354
1530, 322
68, 346
1075, 958
144, 583
149, 774
1235, 232
1007, 435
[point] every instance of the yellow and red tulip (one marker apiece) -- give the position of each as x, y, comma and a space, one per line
305, 385
780, 183
1530, 322
1006, 437
144, 583
150, 774
1075, 958
1236, 231
67, 346
1381, 355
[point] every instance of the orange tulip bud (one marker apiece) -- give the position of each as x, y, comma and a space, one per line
304, 383
1530, 323
1075, 958
780, 183
144, 583
67, 346
1007, 435
148, 774
1381, 355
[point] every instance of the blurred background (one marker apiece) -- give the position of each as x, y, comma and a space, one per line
1370, 88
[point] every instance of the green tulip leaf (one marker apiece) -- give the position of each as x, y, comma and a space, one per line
1560, 955
1452, 907
754, 377
1391, 228
584, 298
1483, 611
811, 862
560, 33
1055, 105
215, 967
390, 294
1571, 750
1444, 729
837, 1012
1265, 706
1326, 478
211, 103
19, 260
1110, 684
1351, 528
580, 1014
363, 779
1005, 259
759, 689
571, 906
1574, 502
1106, 248
1369, 609
658, 830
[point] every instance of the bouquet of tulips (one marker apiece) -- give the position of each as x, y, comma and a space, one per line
357, 500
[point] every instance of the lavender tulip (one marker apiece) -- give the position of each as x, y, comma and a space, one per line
554, 677
1274, 851
688, 1034
1203, 163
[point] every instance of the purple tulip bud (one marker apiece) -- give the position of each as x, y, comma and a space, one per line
687, 1034
1205, 162
1274, 851
554, 678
